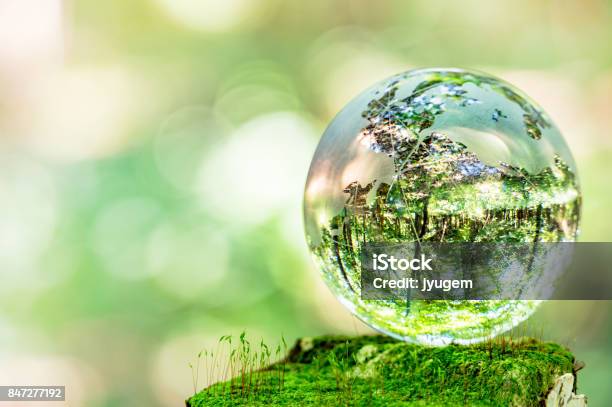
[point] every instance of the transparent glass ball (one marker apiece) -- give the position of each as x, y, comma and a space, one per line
437, 155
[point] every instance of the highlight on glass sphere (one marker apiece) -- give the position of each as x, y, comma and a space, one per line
437, 155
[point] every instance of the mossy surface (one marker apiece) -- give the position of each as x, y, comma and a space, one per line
380, 371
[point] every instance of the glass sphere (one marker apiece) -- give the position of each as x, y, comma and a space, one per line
437, 155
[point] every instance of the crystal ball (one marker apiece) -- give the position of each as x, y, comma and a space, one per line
437, 155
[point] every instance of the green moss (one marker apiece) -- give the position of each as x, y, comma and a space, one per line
379, 371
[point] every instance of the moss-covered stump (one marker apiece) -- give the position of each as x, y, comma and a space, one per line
379, 371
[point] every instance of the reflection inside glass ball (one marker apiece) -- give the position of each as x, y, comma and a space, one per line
437, 155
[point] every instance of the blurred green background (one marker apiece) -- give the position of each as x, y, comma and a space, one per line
153, 156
